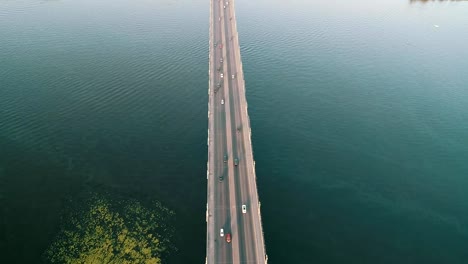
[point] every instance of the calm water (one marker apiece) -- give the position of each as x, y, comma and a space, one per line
359, 113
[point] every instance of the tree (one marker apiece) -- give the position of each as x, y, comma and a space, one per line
122, 232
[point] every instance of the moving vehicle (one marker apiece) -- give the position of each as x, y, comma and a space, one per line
228, 238
221, 178
244, 209
221, 60
222, 101
221, 232
236, 161
233, 76
224, 7
225, 157
222, 75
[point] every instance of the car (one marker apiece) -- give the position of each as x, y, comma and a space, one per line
228, 238
221, 178
224, 7
227, 3
221, 60
218, 85
244, 209
236, 161
221, 232
233, 76
225, 157
219, 19
222, 75
222, 101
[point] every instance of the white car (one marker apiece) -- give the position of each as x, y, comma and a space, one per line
224, 7
222, 101
244, 209
233, 76
222, 75
221, 232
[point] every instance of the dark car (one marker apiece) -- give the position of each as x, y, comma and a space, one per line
236, 161
225, 157
221, 178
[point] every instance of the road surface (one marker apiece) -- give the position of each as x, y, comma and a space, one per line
230, 186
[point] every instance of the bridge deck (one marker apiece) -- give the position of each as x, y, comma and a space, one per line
230, 186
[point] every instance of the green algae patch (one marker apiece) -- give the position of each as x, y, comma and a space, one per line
105, 231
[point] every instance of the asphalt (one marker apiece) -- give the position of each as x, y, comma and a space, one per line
229, 134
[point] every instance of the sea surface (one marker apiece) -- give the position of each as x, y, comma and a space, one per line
359, 114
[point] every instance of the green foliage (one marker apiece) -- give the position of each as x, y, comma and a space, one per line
122, 232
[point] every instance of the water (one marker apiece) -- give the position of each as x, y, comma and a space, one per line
358, 113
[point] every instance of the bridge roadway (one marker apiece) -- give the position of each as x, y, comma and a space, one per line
230, 186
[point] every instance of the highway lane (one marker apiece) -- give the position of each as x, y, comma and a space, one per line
243, 221
235, 118
247, 249
222, 211
226, 252
255, 246
230, 146
220, 215
236, 234
234, 185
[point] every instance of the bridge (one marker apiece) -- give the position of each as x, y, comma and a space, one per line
234, 226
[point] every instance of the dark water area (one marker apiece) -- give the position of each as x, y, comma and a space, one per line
358, 110
101, 95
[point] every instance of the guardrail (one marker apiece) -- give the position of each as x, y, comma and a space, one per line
210, 225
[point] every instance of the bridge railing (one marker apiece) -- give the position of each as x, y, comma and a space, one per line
210, 230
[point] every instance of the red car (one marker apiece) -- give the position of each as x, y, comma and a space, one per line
220, 46
228, 238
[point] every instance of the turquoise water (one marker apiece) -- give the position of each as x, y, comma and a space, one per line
358, 110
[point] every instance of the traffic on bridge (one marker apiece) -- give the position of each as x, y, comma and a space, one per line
234, 226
